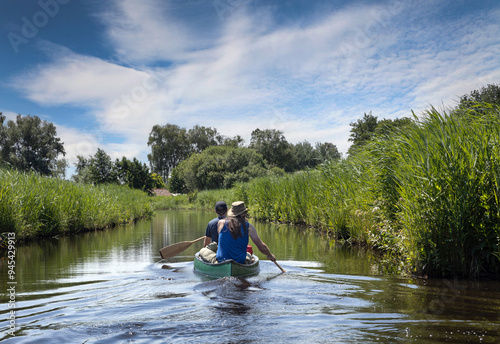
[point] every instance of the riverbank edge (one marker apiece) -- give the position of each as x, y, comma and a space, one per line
35, 207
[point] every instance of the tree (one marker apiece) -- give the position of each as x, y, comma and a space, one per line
58, 168
158, 182
235, 141
362, 131
489, 94
169, 146
134, 174
304, 156
97, 169
327, 151
82, 169
30, 144
273, 146
101, 168
217, 167
200, 138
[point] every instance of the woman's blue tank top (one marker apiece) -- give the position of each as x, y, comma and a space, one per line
230, 248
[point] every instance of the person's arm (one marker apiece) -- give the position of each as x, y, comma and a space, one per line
252, 232
208, 238
207, 241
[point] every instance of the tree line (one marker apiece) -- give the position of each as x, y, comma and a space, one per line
200, 158
100, 169
191, 159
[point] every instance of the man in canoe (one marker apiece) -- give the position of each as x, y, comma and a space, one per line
211, 234
234, 232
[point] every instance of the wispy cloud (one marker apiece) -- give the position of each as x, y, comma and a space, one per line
146, 31
309, 80
76, 80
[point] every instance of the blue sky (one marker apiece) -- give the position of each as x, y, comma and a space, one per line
105, 72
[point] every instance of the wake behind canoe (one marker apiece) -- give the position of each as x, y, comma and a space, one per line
225, 269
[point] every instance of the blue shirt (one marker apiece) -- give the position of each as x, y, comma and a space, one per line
230, 248
211, 230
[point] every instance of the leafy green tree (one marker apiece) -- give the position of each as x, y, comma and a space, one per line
158, 182
58, 168
217, 167
273, 146
101, 168
97, 169
200, 138
169, 146
82, 169
235, 141
134, 174
177, 183
362, 131
30, 144
304, 156
327, 151
489, 94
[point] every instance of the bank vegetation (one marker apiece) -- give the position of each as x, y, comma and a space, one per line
425, 193
32, 205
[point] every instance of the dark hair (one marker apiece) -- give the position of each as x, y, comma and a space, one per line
234, 224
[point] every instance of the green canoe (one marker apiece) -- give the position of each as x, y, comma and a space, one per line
225, 269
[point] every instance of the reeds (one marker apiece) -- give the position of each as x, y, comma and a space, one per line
32, 205
447, 172
428, 195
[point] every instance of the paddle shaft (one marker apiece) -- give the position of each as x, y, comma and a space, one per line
174, 249
279, 266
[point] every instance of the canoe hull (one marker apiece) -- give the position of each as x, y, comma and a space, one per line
225, 269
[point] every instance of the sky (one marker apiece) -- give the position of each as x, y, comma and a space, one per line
106, 72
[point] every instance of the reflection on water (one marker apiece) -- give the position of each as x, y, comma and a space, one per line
112, 286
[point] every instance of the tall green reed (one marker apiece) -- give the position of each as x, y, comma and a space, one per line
33, 205
447, 170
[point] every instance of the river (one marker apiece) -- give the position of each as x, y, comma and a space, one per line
112, 287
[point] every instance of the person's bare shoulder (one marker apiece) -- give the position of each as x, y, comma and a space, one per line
220, 224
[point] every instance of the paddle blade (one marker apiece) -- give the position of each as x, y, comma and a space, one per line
174, 249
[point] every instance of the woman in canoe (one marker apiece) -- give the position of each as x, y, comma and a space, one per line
234, 232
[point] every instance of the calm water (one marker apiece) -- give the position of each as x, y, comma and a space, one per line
112, 287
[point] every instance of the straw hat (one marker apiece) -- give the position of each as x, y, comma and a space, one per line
237, 208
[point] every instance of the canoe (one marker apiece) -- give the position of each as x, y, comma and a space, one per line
225, 269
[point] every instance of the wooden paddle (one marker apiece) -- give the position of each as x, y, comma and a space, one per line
174, 249
279, 266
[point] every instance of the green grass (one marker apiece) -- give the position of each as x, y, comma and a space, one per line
32, 205
447, 172
428, 195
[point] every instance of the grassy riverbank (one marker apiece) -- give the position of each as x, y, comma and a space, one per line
428, 195
34, 206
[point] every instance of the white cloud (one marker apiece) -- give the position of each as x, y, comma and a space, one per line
147, 31
309, 81
9, 115
77, 80
78, 142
